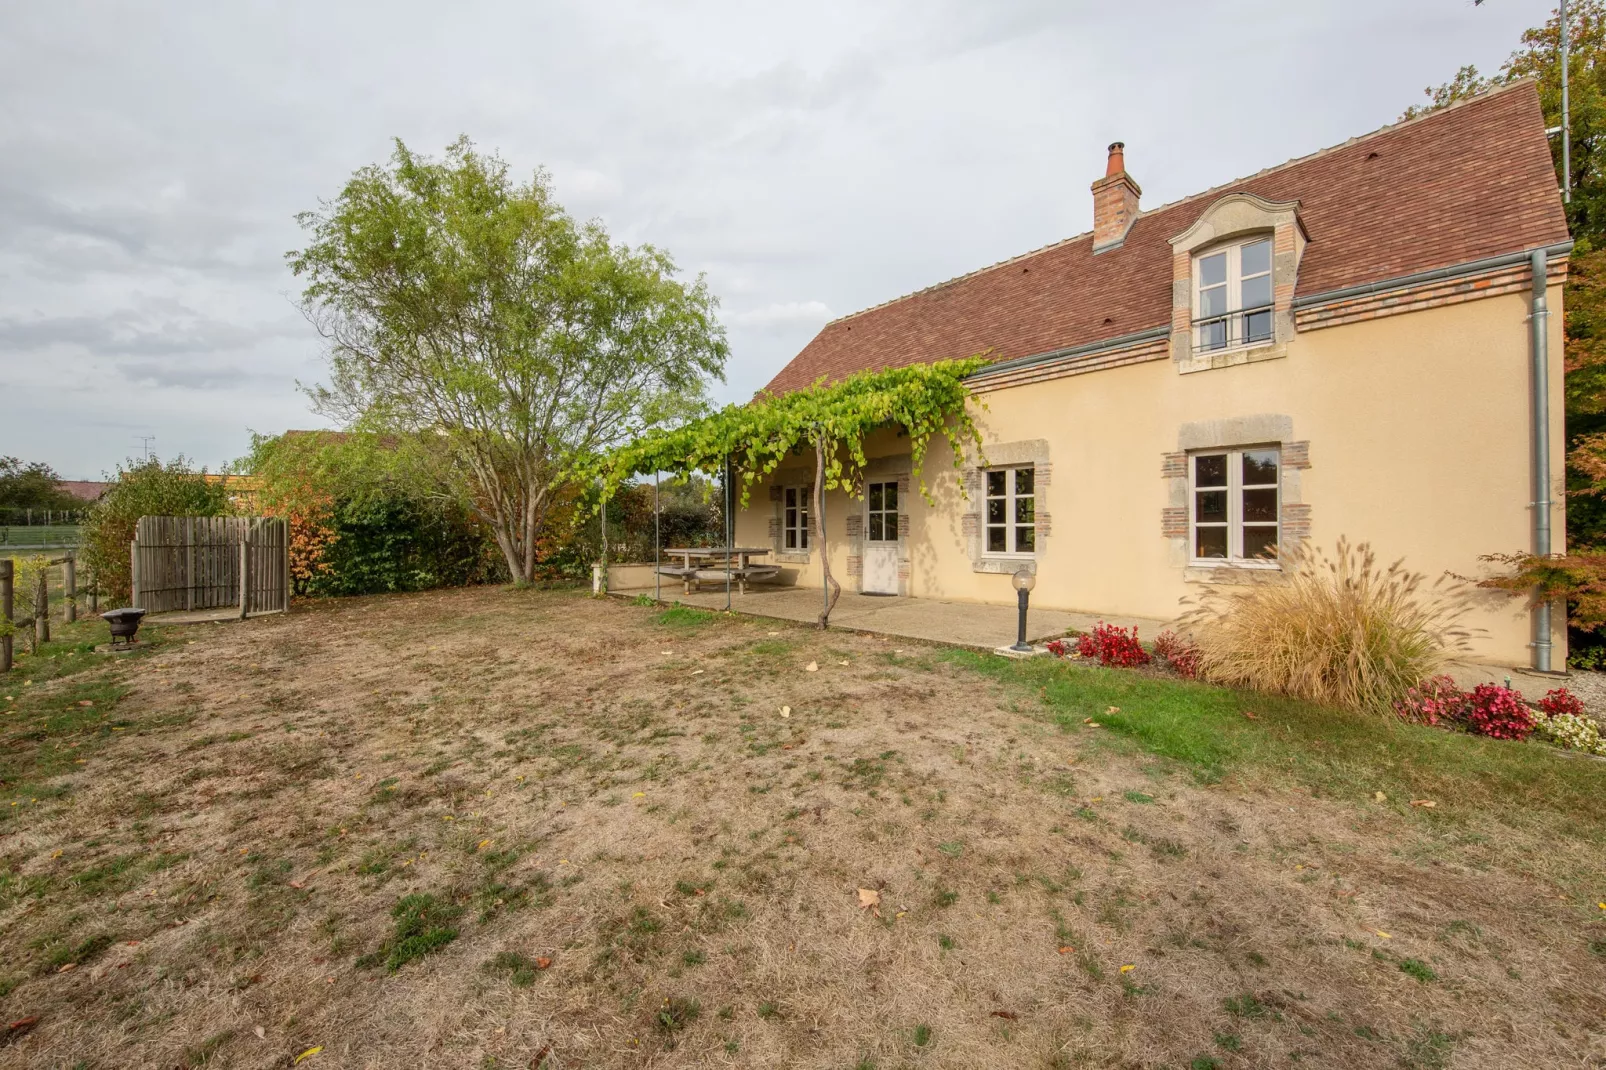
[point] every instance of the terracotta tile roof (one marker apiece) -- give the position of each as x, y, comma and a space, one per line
1466, 182
85, 490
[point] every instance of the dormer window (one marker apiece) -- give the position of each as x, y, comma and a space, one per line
1232, 296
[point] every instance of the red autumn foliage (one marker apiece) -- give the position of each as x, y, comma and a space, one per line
1113, 647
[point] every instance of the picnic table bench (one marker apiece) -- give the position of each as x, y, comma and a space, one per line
712, 564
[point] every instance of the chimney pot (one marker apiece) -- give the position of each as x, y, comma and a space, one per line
1115, 201
1117, 162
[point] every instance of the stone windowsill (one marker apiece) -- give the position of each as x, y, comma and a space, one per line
1234, 575
1228, 358
1004, 566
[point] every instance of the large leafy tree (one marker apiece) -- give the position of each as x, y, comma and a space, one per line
32, 485
468, 312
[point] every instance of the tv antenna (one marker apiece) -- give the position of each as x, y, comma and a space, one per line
145, 443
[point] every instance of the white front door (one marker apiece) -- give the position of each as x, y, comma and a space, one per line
881, 539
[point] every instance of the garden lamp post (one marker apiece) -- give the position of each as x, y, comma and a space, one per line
1024, 580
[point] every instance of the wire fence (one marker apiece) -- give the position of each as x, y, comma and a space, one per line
40, 529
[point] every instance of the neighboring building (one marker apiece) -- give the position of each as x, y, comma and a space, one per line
1337, 346
87, 491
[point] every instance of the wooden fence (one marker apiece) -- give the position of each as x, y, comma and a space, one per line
210, 562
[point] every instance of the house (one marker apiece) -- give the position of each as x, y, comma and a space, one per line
87, 491
1365, 342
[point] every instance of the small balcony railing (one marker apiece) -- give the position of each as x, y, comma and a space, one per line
1229, 330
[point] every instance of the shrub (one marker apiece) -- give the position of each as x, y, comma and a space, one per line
1112, 646
1561, 700
1561, 719
1338, 631
1180, 653
1059, 648
1434, 701
1498, 712
144, 488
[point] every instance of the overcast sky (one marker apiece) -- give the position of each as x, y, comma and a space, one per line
152, 156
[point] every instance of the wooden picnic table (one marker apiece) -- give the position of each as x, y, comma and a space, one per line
714, 563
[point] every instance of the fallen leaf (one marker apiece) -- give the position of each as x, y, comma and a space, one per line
542, 962
786, 712
841, 663
482, 845
870, 899
69, 966
1009, 1015
262, 1034
639, 795
540, 1056
812, 666
1383, 934
697, 672
1249, 715
1378, 796
1092, 724
309, 1053
1428, 803
298, 884
773, 633
1112, 709
1066, 950
85, 702
1128, 968
22, 1025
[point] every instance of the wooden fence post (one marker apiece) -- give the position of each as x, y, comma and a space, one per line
133, 572
245, 573
6, 605
41, 609
70, 583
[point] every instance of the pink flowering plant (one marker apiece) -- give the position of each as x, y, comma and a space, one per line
1180, 653
1498, 712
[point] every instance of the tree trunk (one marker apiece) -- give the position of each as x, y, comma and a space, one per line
819, 515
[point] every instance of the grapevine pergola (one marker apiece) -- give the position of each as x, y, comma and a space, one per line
834, 419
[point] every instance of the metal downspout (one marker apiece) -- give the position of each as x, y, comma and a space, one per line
1540, 382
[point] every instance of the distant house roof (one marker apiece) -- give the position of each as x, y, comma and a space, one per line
1469, 181
85, 490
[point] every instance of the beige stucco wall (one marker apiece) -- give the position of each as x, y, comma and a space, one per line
1418, 427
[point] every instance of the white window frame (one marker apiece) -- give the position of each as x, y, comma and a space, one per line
1010, 497
1235, 522
1235, 316
889, 517
795, 529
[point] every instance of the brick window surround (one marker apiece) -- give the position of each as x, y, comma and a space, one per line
1236, 217
1234, 433
1032, 452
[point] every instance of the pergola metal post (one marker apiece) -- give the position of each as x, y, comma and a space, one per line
657, 541
730, 533
1566, 119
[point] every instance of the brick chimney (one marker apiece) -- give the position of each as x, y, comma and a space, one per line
1115, 202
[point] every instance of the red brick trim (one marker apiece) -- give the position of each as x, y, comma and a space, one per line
1296, 522
1174, 522
1173, 466
1296, 454
1507, 280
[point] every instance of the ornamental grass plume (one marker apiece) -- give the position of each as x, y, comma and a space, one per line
1339, 631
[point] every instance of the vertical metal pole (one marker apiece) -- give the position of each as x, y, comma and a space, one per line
730, 533
7, 575
657, 541
604, 538
1566, 117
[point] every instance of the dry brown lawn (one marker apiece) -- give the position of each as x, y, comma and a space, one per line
646, 862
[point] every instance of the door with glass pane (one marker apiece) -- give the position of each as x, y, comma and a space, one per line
881, 538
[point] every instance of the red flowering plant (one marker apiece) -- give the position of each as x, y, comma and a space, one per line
1561, 700
1112, 646
1434, 701
1180, 653
1058, 648
1498, 712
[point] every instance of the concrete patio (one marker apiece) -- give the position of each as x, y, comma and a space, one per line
967, 624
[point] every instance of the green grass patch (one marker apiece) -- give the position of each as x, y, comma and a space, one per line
1204, 728
684, 618
424, 924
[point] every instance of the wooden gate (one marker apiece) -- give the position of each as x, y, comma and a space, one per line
210, 562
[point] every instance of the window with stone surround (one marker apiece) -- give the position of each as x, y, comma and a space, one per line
1010, 512
795, 518
1232, 292
1234, 514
